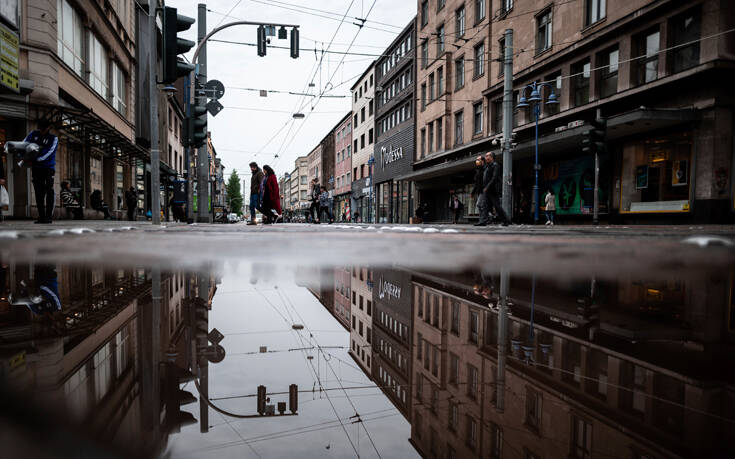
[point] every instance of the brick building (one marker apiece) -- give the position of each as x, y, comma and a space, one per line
363, 143
342, 166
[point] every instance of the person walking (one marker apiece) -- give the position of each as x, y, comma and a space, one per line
70, 202
314, 207
43, 169
477, 187
324, 205
455, 207
492, 187
256, 179
131, 203
550, 209
271, 202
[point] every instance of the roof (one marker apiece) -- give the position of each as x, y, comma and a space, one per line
359, 80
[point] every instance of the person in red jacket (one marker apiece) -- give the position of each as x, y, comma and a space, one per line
271, 197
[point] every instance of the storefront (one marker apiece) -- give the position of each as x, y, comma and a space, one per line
394, 198
361, 201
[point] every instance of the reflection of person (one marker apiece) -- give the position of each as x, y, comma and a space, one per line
43, 169
69, 201
550, 209
98, 204
492, 186
131, 202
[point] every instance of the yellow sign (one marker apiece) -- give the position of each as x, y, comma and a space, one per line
9, 51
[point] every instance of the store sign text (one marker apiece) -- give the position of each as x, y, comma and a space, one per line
389, 290
390, 156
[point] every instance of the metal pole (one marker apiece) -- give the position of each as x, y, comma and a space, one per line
155, 148
536, 111
187, 153
502, 340
203, 152
596, 206
508, 125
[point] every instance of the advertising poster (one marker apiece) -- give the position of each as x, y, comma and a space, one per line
641, 177
573, 182
680, 172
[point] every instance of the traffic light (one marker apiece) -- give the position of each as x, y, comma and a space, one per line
261, 41
593, 140
175, 398
261, 400
197, 126
293, 398
294, 43
172, 46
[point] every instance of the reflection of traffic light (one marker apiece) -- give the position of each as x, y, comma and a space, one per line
588, 311
261, 399
173, 23
293, 398
593, 140
174, 398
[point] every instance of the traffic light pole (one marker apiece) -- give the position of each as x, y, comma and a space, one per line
153, 113
596, 206
203, 151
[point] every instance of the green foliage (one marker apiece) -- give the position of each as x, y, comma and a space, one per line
234, 193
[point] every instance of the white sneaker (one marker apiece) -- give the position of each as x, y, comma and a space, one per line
548, 222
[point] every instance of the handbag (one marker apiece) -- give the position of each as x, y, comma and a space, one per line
4, 197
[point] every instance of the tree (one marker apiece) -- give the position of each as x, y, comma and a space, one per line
234, 194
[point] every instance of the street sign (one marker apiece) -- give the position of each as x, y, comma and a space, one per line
214, 89
214, 107
9, 50
215, 336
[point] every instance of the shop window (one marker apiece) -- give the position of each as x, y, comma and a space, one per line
581, 83
656, 174
439, 133
609, 72
646, 49
686, 30
69, 35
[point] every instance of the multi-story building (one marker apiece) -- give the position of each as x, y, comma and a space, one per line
343, 295
361, 312
363, 142
315, 164
453, 39
342, 167
395, 128
284, 186
300, 186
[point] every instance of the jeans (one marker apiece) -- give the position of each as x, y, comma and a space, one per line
482, 208
550, 216
254, 203
43, 186
494, 200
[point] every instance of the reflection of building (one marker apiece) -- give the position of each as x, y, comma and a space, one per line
362, 318
392, 331
343, 295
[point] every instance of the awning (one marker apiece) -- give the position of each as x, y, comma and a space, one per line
85, 126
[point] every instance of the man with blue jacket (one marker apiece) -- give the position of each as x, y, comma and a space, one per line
43, 169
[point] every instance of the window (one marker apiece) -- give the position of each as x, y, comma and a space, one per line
353, 322
440, 4
471, 381
455, 318
355, 101
355, 148
423, 96
609, 72
453, 369
496, 442
431, 87
371, 81
471, 432
498, 116
430, 143
370, 136
424, 13
423, 152
427, 355
119, 91
459, 22
360, 91
581, 439
439, 82
480, 60
533, 409
435, 362
646, 54
362, 302
360, 326
369, 308
453, 415
69, 45
362, 115
686, 30
474, 326
439, 40
362, 141
424, 53
370, 108
417, 423
355, 113
98, 66
479, 10
594, 11
419, 339
501, 66
477, 118
459, 73
506, 6
458, 127
581, 83
543, 31
439, 133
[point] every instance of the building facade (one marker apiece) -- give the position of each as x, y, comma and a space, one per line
361, 315
343, 167
300, 187
395, 128
363, 142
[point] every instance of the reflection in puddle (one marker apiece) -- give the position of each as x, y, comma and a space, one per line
360, 361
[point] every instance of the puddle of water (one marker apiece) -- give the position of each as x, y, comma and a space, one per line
387, 362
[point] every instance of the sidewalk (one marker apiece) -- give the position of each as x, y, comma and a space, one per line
26, 228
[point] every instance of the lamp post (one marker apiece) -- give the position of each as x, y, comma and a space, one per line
535, 100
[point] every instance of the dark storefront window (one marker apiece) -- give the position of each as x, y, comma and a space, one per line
686, 30
556, 81
439, 133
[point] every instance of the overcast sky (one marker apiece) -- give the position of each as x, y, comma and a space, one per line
239, 134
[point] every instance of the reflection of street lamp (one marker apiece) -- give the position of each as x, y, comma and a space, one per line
535, 100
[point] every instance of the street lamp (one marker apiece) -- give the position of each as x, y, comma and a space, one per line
535, 100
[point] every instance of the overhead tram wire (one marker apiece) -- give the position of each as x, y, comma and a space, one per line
331, 12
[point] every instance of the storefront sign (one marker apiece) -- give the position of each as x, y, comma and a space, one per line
386, 289
9, 58
390, 156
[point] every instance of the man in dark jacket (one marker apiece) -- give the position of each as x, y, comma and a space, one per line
477, 191
492, 187
131, 202
43, 169
255, 180
316, 190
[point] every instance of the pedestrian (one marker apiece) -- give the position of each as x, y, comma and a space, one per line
43, 169
316, 190
357, 216
492, 187
131, 202
70, 202
271, 201
324, 205
550, 208
97, 203
477, 191
256, 179
455, 207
